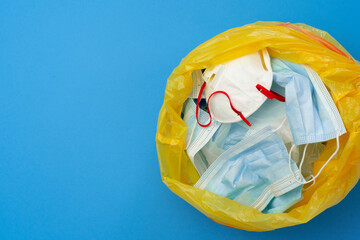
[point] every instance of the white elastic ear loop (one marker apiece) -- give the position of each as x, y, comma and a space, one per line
280, 126
313, 182
303, 157
313, 178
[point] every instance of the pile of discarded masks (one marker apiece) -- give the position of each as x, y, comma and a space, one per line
255, 126
260, 126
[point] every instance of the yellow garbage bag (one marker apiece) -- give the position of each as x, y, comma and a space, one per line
296, 43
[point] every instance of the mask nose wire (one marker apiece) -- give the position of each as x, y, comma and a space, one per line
321, 169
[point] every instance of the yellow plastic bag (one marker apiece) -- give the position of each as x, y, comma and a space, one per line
297, 43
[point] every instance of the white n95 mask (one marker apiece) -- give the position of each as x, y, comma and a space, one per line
236, 89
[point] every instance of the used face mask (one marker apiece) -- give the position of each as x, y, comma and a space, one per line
254, 172
312, 115
238, 88
228, 135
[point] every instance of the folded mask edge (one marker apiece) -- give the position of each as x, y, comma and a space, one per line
236, 149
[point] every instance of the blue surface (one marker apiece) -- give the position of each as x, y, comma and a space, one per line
81, 86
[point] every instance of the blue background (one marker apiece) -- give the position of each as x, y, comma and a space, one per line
81, 85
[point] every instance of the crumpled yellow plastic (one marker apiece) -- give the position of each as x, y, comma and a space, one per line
341, 75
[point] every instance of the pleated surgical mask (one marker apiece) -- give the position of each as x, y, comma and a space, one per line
311, 112
312, 115
254, 172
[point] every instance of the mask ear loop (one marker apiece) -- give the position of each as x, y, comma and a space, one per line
280, 126
313, 182
303, 157
321, 169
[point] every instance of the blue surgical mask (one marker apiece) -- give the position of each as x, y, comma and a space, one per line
312, 115
311, 112
254, 172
